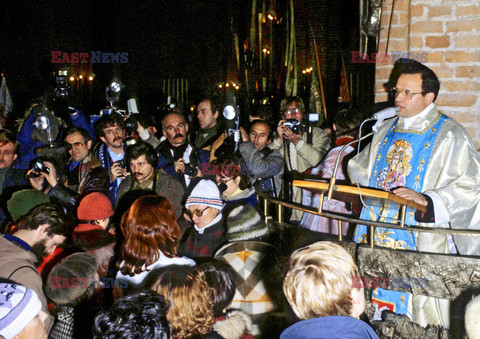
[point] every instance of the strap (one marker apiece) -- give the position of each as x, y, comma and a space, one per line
19, 268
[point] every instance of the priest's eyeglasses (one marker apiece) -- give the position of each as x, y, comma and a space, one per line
198, 213
408, 94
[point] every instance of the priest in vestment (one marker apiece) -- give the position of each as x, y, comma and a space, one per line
426, 157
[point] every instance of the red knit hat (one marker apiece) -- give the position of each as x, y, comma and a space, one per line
94, 206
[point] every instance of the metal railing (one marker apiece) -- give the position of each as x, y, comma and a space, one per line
340, 217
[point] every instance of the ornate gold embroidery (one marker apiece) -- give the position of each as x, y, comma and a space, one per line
382, 239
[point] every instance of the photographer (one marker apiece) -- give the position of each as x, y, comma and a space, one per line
300, 150
44, 175
110, 129
176, 155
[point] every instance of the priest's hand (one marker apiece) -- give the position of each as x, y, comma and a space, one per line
407, 193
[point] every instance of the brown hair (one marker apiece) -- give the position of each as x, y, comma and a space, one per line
7, 136
230, 166
191, 301
149, 226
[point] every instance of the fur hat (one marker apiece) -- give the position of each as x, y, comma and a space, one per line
18, 306
94, 206
472, 318
205, 193
24, 201
244, 223
70, 278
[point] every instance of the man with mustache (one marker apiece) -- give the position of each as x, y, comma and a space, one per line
110, 129
141, 158
37, 235
436, 166
176, 152
10, 177
211, 134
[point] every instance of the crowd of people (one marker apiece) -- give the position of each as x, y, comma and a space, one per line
139, 234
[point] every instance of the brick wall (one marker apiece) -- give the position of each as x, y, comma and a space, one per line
445, 35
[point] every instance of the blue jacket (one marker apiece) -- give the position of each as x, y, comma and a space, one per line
27, 145
166, 160
340, 327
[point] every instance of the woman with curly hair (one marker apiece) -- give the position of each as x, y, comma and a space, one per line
151, 240
191, 309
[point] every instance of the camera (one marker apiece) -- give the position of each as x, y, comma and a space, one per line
122, 163
37, 168
191, 170
267, 186
294, 125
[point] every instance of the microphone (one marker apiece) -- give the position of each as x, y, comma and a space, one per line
222, 187
386, 113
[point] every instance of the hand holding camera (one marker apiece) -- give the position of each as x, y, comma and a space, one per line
290, 130
118, 170
182, 168
40, 171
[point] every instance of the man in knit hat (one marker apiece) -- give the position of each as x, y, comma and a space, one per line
245, 253
204, 208
91, 235
38, 234
21, 314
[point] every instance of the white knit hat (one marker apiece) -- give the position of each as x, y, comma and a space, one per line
205, 193
18, 306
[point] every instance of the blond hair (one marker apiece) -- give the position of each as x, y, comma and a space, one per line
191, 301
318, 281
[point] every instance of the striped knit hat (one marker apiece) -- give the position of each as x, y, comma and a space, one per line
205, 193
18, 306
244, 223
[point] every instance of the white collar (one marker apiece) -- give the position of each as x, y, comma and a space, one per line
411, 121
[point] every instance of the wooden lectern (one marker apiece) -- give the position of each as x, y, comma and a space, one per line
371, 196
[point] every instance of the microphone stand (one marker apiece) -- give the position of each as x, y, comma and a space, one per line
337, 162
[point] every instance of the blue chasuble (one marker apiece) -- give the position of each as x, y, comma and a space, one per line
400, 162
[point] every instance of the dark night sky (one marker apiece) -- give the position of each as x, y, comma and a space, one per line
182, 38
163, 38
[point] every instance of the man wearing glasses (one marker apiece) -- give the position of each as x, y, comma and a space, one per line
299, 149
81, 160
426, 157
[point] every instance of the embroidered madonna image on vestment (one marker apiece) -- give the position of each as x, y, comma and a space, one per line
398, 161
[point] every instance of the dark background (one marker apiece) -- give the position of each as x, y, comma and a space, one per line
190, 39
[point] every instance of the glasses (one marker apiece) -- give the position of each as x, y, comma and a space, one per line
291, 111
224, 181
77, 144
408, 94
198, 213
